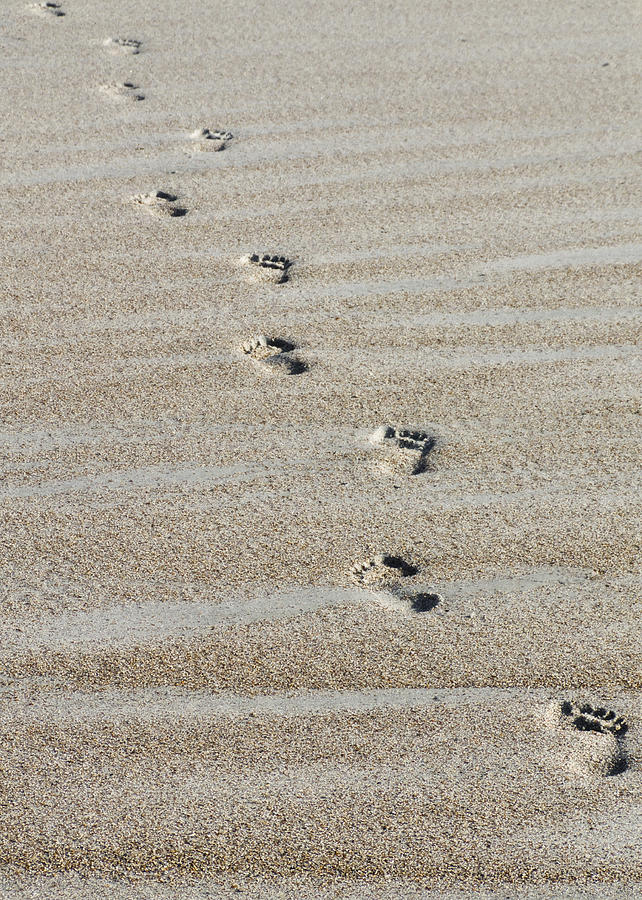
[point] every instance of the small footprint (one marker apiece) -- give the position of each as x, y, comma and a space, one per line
390, 580
125, 90
54, 10
204, 139
595, 736
273, 356
263, 267
382, 569
403, 450
122, 45
160, 203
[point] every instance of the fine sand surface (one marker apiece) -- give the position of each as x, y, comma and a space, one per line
320, 450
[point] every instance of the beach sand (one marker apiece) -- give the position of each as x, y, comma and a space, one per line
320, 440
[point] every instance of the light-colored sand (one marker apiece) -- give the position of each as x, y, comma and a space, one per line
196, 701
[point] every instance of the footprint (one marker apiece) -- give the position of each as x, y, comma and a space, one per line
122, 45
263, 267
160, 203
381, 569
54, 10
125, 90
204, 139
403, 450
595, 736
273, 356
385, 576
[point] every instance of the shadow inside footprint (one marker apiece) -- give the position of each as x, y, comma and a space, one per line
206, 139
599, 719
396, 562
283, 346
274, 355
423, 602
48, 9
122, 45
421, 444
276, 268
160, 203
598, 746
404, 449
297, 367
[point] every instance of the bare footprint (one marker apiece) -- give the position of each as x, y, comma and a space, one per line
273, 356
125, 90
390, 582
263, 267
381, 569
402, 450
50, 10
122, 45
204, 139
160, 203
594, 739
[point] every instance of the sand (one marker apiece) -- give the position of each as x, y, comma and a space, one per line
394, 315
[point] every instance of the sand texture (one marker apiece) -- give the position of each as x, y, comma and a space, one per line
320, 452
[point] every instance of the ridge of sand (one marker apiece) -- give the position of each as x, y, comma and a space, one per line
195, 699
